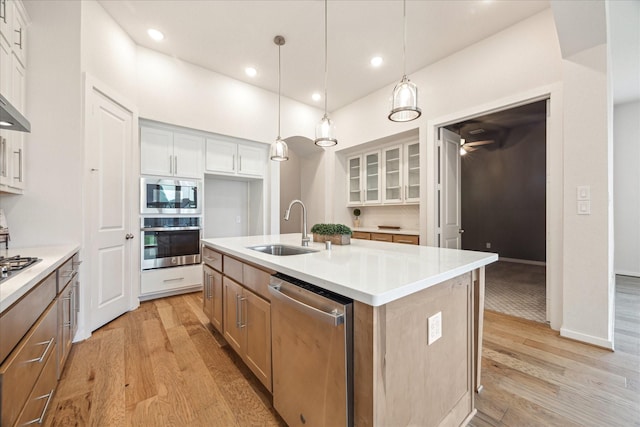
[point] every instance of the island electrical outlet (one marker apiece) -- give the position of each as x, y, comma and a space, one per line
434, 324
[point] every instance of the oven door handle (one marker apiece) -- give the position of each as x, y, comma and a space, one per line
169, 228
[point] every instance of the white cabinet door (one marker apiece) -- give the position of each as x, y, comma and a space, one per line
156, 151
251, 160
354, 181
221, 156
6, 20
412, 173
18, 84
19, 23
372, 177
5, 67
17, 161
187, 151
392, 175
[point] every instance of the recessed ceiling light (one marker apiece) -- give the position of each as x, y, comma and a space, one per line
155, 34
376, 61
250, 71
316, 96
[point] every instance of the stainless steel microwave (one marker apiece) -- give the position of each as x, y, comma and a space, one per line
170, 196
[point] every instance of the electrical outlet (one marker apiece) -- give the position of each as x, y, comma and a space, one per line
488, 245
434, 324
238, 219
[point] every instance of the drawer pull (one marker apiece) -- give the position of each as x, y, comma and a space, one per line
76, 263
44, 354
404, 241
173, 280
209, 258
47, 396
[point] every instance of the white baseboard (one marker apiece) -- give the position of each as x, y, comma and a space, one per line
523, 261
628, 273
600, 342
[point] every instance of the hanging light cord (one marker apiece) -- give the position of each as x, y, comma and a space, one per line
279, 83
404, 37
326, 67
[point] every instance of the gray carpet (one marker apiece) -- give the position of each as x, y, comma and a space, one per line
516, 289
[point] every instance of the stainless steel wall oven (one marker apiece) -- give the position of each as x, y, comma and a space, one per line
170, 196
170, 241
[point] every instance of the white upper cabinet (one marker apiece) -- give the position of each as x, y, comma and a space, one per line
412, 172
167, 153
387, 176
5, 67
372, 178
235, 158
392, 175
19, 45
354, 181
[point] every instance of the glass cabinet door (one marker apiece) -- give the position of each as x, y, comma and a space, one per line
354, 194
372, 177
392, 175
412, 172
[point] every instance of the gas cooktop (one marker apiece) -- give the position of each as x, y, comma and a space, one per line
10, 266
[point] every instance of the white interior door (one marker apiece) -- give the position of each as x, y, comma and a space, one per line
109, 148
450, 209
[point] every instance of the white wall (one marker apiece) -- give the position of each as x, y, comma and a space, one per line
226, 207
626, 195
290, 189
50, 211
177, 92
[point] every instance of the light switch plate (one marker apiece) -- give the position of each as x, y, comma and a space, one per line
434, 324
584, 192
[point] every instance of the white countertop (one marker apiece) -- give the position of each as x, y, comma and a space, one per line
406, 231
374, 273
13, 289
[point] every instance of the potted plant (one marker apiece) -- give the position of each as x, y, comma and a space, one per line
337, 234
356, 219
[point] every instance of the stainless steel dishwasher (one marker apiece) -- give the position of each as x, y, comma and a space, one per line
312, 354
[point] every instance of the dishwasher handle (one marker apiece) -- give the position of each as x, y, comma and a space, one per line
333, 318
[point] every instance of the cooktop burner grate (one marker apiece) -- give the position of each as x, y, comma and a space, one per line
14, 264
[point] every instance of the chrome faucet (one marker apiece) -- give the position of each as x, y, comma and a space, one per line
305, 237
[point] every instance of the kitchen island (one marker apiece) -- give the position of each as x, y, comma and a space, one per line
399, 378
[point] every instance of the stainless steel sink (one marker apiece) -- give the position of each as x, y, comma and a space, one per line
281, 250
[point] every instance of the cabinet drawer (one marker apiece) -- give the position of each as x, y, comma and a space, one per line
361, 235
406, 238
257, 280
22, 368
233, 268
382, 237
67, 271
16, 321
37, 405
212, 258
170, 279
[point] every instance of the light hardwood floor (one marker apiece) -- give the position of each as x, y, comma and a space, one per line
161, 365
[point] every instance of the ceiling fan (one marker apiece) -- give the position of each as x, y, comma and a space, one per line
469, 146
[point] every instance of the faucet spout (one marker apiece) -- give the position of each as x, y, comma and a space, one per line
305, 237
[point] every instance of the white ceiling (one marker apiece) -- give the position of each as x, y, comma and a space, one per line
227, 36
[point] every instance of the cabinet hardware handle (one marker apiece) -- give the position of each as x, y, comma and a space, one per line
3, 152
19, 44
47, 396
94, 170
44, 353
173, 280
3, 15
404, 241
233, 162
175, 165
75, 263
238, 310
170, 165
243, 313
209, 258
19, 153
239, 163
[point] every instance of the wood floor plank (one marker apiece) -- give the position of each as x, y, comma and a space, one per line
172, 369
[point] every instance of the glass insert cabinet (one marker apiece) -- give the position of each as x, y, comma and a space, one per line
387, 176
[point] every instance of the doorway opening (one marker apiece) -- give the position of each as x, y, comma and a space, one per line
502, 202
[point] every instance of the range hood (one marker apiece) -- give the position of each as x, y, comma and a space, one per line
11, 119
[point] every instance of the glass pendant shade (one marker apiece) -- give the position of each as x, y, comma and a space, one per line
279, 150
404, 102
325, 133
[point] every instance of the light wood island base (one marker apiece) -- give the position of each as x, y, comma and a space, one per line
401, 380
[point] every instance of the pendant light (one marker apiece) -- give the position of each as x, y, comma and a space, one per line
404, 103
325, 130
279, 151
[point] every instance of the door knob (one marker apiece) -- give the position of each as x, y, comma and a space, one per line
128, 236
461, 231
